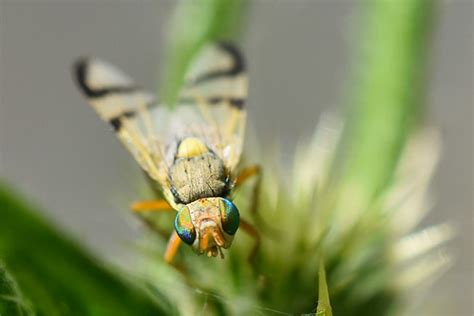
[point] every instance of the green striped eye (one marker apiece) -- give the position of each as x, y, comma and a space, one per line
230, 217
184, 226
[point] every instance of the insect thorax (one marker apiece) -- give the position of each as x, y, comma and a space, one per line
197, 173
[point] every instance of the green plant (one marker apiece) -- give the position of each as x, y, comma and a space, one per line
55, 276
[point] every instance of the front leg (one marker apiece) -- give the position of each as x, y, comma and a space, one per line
174, 242
151, 206
142, 208
172, 248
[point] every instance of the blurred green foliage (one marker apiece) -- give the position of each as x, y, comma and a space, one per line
56, 276
11, 302
387, 96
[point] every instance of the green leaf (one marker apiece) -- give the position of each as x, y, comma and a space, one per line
324, 304
11, 302
194, 24
56, 276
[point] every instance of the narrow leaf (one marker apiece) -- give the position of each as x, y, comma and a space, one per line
11, 302
324, 305
58, 277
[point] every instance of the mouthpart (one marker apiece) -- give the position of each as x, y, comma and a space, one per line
210, 239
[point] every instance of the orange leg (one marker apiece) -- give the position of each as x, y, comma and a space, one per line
249, 229
151, 206
247, 173
141, 207
172, 248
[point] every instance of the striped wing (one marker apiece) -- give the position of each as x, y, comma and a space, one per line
213, 100
210, 107
118, 101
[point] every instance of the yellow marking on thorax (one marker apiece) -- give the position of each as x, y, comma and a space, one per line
191, 147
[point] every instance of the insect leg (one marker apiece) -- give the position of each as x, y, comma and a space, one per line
142, 208
151, 206
172, 248
247, 173
249, 229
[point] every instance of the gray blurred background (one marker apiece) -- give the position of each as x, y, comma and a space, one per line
56, 151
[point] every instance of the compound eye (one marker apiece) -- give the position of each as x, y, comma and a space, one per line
184, 226
230, 217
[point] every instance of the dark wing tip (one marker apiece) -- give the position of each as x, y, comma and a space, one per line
236, 67
80, 61
80, 69
239, 61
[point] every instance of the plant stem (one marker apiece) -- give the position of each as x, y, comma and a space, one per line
388, 97
194, 24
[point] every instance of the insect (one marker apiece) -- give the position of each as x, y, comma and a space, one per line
191, 151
